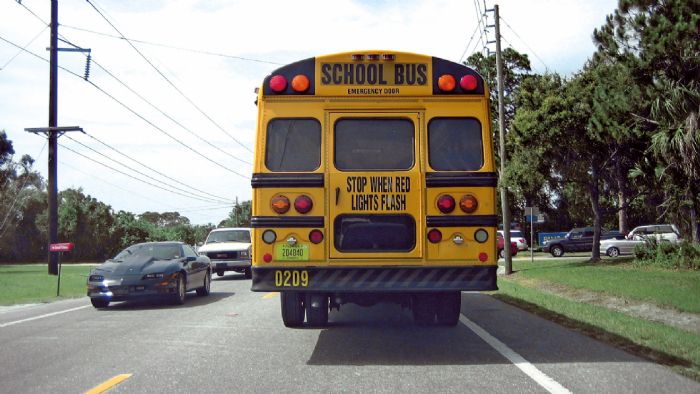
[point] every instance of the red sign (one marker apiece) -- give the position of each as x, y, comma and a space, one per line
63, 247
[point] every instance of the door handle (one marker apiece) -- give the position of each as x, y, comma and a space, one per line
337, 195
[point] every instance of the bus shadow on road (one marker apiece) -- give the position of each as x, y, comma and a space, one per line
386, 335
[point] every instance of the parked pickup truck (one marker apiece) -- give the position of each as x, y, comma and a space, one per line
577, 240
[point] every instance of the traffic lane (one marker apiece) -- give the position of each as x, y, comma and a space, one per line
75, 351
9, 315
578, 362
377, 349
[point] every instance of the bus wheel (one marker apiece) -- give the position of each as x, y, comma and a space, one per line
448, 308
292, 309
424, 309
317, 309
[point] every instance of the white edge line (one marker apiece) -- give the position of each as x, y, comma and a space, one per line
42, 316
528, 369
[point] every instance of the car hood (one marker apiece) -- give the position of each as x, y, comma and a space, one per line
136, 266
218, 246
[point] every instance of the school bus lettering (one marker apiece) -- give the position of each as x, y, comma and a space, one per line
390, 183
374, 74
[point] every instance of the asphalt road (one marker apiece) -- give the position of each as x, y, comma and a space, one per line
234, 341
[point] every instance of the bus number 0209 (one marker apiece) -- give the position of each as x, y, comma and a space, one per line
291, 278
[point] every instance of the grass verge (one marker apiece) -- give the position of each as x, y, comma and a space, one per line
666, 345
21, 284
619, 277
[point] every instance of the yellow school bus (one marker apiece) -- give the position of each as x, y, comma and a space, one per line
373, 180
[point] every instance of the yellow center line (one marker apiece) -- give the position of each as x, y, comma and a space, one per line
109, 384
270, 295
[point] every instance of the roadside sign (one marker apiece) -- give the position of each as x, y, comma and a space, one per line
62, 247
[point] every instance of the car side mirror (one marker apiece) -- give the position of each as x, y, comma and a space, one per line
188, 259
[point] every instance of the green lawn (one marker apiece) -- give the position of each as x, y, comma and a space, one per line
20, 284
664, 344
678, 289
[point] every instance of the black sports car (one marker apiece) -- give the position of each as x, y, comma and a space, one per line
151, 269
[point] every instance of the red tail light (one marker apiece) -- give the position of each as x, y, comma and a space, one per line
278, 83
316, 236
280, 204
446, 203
434, 236
303, 204
468, 83
468, 203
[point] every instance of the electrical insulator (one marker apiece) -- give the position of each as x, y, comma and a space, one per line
87, 67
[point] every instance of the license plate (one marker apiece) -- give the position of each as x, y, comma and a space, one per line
119, 290
286, 252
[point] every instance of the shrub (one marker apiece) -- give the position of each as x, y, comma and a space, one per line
683, 255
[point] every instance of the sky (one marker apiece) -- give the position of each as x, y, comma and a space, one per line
172, 105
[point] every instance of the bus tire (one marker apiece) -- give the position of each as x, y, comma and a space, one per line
292, 309
424, 309
448, 308
316, 309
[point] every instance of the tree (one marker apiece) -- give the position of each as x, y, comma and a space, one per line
239, 215
87, 223
659, 42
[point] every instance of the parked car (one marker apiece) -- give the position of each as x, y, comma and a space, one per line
147, 270
576, 240
662, 232
229, 249
518, 237
501, 243
618, 247
638, 236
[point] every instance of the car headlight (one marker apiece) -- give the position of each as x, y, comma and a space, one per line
96, 278
153, 276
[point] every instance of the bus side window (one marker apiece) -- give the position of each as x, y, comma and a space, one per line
293, 145
455, 144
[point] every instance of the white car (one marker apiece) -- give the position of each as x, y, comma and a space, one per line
662, 232
229, 249
518, 237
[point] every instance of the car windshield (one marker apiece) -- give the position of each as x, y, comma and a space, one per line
148, 251
229, 236
516, 234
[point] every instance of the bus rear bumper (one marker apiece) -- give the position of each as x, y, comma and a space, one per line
374, 279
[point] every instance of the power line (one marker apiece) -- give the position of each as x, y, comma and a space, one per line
152, 169
121, 188
523, 41
166, 115
133, 177
134, 112
137, 171
166, 78
469, 43
172, 46
19, 190
23, 48
149, 103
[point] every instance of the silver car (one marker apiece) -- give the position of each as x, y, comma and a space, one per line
618, 247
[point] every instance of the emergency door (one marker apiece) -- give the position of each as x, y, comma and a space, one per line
375, 186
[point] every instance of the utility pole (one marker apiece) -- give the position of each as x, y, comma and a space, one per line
53, 132
502, 140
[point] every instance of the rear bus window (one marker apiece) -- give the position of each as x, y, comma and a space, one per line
293, 145
375, 233
374, 144
455, 144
